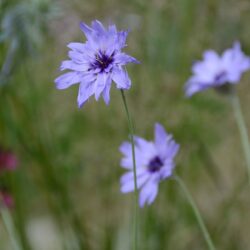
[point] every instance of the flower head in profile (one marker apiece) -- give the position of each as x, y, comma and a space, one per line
154, 163
215, 70
96, 63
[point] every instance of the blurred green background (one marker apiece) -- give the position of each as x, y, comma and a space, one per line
66, 187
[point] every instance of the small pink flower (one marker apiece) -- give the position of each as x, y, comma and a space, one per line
7, 199
8, 161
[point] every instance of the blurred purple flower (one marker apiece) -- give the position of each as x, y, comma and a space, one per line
8, 160
95, 63
154, 162
7, 199
215, 71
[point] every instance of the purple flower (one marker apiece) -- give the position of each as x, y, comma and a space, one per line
6, 199
215, 71
96, 63
154, 162
8, 160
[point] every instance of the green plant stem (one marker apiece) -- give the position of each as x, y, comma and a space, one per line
196, 212
9, 228
131, 130
242, 128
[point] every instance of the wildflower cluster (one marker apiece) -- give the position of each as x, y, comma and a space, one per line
100, 60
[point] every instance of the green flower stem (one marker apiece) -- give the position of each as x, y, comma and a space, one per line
196, 212
10, 228
242, 128
131, 130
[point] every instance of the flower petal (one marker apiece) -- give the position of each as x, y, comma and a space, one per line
68, 64
121, 78
160, 135
126, 148
106, 92
97, 26
127, 181
122, 59
145, 149
148, 193
121, 39
167, 148
66, 80
166, 171
86, 30
211, 56
80, 47
86, 89
102, 81
77, 57
235, 63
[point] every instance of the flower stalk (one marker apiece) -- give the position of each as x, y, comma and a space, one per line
242, 128
197, 213
131, 130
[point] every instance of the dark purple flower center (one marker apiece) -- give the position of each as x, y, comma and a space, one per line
220, 76
155, 164
102, 61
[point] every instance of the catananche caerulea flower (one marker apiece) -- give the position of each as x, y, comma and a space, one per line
215, 70
95, 63
154, 162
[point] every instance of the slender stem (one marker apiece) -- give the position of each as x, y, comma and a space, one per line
131, 129
242, 128
196, 212
9, 227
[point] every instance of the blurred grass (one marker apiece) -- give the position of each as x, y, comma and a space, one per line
69, 159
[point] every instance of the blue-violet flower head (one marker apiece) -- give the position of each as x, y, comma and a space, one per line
215, 70
154, 163
95, 63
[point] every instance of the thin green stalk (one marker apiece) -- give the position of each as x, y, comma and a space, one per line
196, 212
131, 130
242, 128
9, 228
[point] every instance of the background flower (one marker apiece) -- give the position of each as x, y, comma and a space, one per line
216, 70
6, 199
154, 162
8, 160
96, 63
